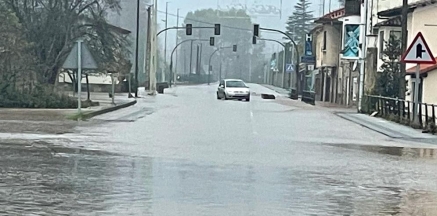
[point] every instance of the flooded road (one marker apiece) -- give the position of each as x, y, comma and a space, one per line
186, 153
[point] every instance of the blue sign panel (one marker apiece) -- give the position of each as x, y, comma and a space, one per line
289, 68
308, 45
308, 59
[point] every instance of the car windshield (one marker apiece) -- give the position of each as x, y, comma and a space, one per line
235, 84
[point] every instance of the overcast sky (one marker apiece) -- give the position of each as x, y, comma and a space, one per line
268, 21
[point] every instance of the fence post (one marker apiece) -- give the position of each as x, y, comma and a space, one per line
399, 109
433, 114
426, 114
420, 115
403, 108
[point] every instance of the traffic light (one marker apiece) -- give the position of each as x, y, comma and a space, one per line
211, 41
217, 29
253, 39
234, 48
189, 29
256, 30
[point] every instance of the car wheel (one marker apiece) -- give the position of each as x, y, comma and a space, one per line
226, 97
218, 96
248, 99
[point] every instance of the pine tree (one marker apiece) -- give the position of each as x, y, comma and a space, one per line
388, 80
300, 22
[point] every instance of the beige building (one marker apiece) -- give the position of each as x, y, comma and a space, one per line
421, 13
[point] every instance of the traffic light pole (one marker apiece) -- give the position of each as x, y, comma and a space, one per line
210, 57
298, 74
176, 27
171, 56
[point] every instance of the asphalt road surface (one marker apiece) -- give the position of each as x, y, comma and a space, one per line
187, 153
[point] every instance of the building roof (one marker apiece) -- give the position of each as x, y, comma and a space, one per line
411, 7
332, 16
424, 68
392, 22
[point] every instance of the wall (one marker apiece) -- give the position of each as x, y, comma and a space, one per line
430, 88
329, 57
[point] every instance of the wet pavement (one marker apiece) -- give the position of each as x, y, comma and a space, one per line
186, 153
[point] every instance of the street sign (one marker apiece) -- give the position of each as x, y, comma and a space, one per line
87, 58
80, 58
310, 67
289, 68
308, 59
418, 52
308, 45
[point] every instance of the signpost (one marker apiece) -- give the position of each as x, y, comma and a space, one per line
289, 68
418, 53
80, 58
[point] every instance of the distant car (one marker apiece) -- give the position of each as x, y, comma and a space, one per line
233, 89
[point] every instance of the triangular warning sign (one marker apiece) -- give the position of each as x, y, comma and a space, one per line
88, 61
418, 52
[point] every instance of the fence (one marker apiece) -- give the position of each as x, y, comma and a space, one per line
401, 109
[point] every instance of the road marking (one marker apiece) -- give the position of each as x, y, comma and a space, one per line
252, 120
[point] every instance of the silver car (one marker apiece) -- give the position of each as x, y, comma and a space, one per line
233, 89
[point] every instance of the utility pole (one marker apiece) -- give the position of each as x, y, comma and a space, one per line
177, 41
191, 59
165, 43
137, 39
148, 46
197, 61
404, 38
364, 19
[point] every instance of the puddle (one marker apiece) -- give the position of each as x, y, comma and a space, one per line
393, 150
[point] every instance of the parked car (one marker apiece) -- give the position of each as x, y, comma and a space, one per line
233, 89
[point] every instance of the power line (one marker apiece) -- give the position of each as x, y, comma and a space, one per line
225, 26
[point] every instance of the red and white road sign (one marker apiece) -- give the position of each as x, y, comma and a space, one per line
418, 52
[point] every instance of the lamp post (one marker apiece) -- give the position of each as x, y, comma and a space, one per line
283, 58
234, 47
174, 49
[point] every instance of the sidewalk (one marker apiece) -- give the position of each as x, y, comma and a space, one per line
319, 104
279, 90
388, 128
53, 121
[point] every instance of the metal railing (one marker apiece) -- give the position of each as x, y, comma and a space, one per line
402, 109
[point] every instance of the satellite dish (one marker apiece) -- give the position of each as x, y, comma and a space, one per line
354, 67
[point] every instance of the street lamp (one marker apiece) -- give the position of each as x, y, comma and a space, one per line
165, 41
283, 58
171, 56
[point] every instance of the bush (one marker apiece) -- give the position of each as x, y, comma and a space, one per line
40, 97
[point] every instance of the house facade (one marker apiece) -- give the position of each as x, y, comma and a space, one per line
337, 38
421, 17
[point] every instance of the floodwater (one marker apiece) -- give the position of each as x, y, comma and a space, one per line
200, 156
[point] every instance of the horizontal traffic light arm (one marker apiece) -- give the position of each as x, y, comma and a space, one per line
175, 27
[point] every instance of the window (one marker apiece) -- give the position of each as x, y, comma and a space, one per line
381, 44
235, 84
397, 34
324, 41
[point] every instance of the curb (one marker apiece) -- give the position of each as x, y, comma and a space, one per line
85, 116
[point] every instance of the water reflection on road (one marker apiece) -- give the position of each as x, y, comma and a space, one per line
76, 182
278, 162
